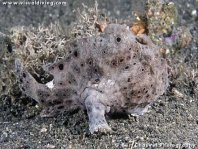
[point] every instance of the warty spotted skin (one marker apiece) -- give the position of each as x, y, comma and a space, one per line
116, 71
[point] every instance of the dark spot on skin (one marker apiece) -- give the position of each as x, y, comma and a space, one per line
134, 63
101, 91
138, 96
70, 51
61, 66
23, 89
82, 65
129, 80
24, 75
95, 70
121, 60
42, 101
75, 53
71, 78
104, 51
60, 107
56, 102
128, 57
114, 63
138, 92
50, 103
142, 69
127, 67
147, 96
132, 92
97, 80
90, 61
118, 39
60, 83
100, 40
125, 88
42, 94
147, 58
21, 80
136, 50
74, 80
52, 67
151, 85
76, 69
129, 49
